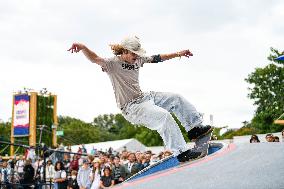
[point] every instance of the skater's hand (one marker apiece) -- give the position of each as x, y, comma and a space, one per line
76, 47
185, 53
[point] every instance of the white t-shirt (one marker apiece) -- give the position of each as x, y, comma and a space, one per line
20, 166
125, 78
59, 174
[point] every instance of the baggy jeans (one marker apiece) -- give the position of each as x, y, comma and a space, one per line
154, 109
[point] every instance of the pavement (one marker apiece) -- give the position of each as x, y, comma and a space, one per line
237, 166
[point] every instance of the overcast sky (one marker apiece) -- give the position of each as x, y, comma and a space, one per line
229, 39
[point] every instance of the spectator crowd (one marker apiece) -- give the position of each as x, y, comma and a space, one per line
79, 171
269, 138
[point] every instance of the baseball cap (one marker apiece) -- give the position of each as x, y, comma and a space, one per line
132, 43
96, 160
85, 161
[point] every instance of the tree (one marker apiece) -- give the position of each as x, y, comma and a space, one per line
5, 133
77, 132
267, 92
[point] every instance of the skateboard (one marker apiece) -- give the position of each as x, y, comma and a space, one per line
202, 144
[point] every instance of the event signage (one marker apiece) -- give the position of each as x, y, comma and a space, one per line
21, 119
59, 133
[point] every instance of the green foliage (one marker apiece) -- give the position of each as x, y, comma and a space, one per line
267, 89
217, 132
108, 127
80, 132
229, 134
182, 129
5, 133
148, 137
123, 129
239, 132
45, 117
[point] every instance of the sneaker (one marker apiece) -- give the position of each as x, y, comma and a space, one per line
188, 155
198, 132
202, 145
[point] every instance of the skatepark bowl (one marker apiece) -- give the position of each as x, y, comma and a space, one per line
169, 163
228, 166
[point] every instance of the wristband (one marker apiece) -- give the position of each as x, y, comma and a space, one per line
156, 59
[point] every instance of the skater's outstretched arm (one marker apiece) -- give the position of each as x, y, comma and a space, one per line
92, 56
185, 53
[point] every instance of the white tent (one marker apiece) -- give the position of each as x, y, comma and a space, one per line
117, 145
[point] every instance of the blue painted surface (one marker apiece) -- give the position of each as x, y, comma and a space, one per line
167, 164
172, 162
212, 150
280, 58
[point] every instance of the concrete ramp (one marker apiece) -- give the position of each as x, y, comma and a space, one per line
243, 166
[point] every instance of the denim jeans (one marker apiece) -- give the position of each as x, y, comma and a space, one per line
55, 185
154, 109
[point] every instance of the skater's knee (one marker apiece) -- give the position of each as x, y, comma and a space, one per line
179, 97
164, 117
175, 96
176, 99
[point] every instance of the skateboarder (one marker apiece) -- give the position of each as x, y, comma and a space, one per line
152, 109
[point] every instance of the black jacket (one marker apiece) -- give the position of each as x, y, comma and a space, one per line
29, 173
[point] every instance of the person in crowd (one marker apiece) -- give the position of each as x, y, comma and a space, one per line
83, 177
84, 149
4, 175
167, 153
161, 155
66, 162
276, 139
254, 139
29, 172
124, 157
59, 177
80, 161
79, 150
107, 179
132, 166
269, 137
31, 154
104, 162
38, 165
154, 159
138, 155
95, 175
49, 172
119, 171
12, 162
90, 160
74, 164
72, 181
68, 149
58, 155
93, 151
19, 168
140, 159
110, 151
110, 160
146, 162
